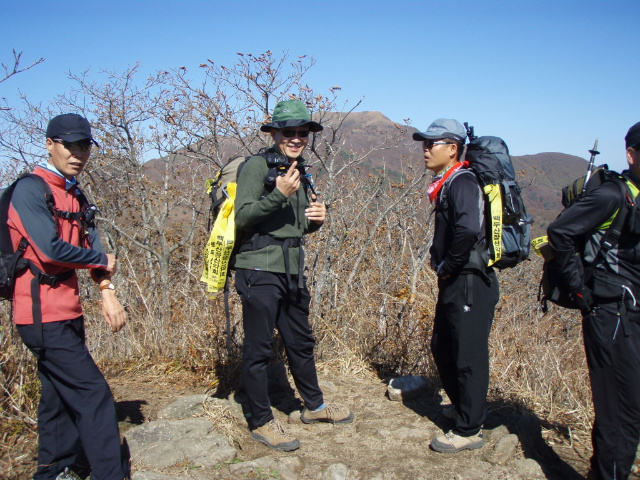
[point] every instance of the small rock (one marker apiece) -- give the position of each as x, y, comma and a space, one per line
503, 450
292, 462
503, 473
527, 468
235, 404
337, 471
184, 407
497, 433
163, 443
406, 388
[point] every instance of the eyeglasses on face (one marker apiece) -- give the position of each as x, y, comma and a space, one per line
295, 133
82, 145
429, 144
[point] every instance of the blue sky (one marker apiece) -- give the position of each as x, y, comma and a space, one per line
546, 75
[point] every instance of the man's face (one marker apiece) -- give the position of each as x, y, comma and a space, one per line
69, 158
438, 154
291, 141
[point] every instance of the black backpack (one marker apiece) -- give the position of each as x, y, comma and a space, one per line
507, 221
11, 262
552, 288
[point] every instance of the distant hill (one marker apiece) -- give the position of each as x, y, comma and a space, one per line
541, 176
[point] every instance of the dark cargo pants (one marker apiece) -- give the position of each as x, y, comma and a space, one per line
269, 302
612, 344
460, 344
76, 414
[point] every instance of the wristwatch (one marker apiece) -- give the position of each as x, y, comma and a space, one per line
107, 286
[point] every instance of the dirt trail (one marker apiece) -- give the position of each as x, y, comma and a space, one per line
386, 436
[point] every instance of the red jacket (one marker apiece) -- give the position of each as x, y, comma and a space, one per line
54, 247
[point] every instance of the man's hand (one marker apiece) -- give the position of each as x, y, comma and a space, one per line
290, 182
112, 265
316, 211
112, 311
583, 299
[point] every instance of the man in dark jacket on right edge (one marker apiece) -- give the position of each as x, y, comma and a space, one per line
610, 304
468, 290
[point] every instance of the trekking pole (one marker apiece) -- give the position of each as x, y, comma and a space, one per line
593, 153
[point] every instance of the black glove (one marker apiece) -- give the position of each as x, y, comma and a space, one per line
583, 299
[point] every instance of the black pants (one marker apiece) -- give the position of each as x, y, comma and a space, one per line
76, 414
460, 344
268, 302
612, 344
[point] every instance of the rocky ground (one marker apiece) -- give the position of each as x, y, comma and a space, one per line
177, 428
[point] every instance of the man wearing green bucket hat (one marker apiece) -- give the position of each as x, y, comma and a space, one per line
274, 214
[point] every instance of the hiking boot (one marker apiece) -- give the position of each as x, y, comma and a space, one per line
451, 443
329, 414
273, 435
450, 412
68, 475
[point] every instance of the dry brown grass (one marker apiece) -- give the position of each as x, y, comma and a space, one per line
380, 324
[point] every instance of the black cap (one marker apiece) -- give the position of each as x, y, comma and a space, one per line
70, 127
633, 136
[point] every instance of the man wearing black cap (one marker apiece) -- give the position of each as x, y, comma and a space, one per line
468, 290
610, 304
76, 416
274, 213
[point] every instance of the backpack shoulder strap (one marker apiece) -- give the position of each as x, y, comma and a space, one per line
48, 195
5, 200
612, 233
444, 194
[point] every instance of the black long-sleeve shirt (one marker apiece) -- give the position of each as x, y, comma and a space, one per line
459, 224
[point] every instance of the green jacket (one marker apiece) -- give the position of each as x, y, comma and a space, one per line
275, 214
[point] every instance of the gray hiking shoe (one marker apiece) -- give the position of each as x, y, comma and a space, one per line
329, 414
452, 443
273, 435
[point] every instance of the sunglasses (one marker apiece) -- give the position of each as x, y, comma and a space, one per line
295, 133
82, 145
428, 144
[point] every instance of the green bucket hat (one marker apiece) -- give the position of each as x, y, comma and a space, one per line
291, 113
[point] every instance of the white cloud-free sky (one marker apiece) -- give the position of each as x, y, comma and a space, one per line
546, 75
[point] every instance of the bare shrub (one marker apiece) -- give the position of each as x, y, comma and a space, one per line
373, 292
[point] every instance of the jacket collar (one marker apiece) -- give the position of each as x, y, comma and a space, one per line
68, 184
